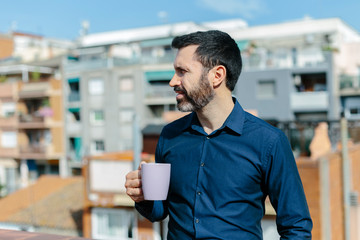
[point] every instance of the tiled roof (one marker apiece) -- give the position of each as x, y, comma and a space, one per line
51, 202
17, 235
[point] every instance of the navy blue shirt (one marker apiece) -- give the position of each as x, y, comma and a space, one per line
219, 181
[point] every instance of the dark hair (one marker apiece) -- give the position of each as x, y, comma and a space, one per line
215, 48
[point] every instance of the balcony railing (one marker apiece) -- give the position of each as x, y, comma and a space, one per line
161, 91
309, 101
259, 59
34, 89
73, 128
100, 63
162, 94
74, 97
349, 82
33, 149
30, 118
31, 121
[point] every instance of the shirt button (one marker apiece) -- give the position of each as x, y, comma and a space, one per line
197, 221
202, 164
198, 193
207, 137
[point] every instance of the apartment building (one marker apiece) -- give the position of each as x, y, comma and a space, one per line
31, 124
294, 70
291, 71
6, 46
116, 79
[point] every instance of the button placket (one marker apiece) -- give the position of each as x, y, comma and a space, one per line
199, 193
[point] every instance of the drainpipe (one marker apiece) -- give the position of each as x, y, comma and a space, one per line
325, 198
346, 176
136, 142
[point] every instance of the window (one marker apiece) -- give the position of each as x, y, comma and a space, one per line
96, 86
97, 117
8, 109
266, 89
8, 139
113, 224
97, 146
126, 115
354, 111
126, 84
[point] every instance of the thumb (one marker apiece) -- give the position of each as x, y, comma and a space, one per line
142, 162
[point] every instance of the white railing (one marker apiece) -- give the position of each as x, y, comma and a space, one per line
309, 101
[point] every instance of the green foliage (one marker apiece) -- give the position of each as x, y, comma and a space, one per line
3, 79
35, 76
45, 102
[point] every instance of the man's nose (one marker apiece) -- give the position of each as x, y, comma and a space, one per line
175, 81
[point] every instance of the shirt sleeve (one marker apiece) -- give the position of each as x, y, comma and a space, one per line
154, 210
286, 191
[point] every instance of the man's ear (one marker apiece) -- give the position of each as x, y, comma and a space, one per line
219, 75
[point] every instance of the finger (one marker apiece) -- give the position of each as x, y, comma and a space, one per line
135, 193
142, 162
132, 175
135, 183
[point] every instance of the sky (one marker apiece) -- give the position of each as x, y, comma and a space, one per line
63, 18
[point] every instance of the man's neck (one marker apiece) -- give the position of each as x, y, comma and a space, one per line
213, 115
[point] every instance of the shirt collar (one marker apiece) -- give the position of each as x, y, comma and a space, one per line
236, 119
234, 122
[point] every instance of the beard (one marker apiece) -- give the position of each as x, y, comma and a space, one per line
197, 98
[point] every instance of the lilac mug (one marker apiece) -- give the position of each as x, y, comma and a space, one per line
155, 178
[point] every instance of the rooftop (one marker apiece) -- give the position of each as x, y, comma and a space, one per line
16, 235
52, 202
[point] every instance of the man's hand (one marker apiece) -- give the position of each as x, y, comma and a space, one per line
133, 185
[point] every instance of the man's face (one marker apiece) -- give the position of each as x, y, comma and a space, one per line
190, 81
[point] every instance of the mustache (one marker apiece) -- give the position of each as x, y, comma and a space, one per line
180, 89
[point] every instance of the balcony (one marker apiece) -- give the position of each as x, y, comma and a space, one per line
159, 94
74, 97
260, 59
166, 57
36, 151
31, 121
309, 101
101, 63
33, 149
35, 90
73, 128
75, 159
349, 85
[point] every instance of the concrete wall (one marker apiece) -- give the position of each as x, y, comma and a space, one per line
267, 108
323, 186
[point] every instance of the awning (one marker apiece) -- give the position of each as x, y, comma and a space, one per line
74, 110
73, 80
159, 75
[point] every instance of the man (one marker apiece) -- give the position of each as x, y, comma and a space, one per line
224, 161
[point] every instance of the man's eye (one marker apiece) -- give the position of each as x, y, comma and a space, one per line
181, 71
